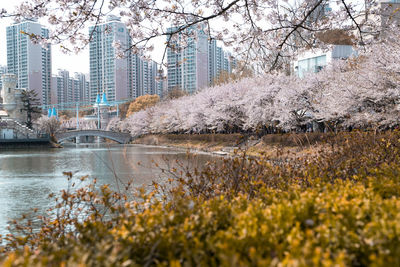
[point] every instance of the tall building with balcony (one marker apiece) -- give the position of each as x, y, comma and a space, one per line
143, 76
135, 73
187, 61
219, 61
81, 87
108, 73
196, 62
30, 61
68, 89
148, 78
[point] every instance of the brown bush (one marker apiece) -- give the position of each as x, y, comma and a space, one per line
231, 138
142, 102
296, 139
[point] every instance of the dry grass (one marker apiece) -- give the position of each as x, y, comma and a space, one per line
272, 146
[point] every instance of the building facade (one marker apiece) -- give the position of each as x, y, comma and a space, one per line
30, 61
188, 63
120, 78
68, 89
108, 73
314, 61
219, 62
196, 61
147, 78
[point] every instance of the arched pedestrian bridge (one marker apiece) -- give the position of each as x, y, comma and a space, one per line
121, 138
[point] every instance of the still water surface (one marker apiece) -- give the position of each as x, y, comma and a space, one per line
27, 177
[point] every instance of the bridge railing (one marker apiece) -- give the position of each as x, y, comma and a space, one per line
122, 138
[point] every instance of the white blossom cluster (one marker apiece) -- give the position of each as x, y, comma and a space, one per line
267, 32
360, 92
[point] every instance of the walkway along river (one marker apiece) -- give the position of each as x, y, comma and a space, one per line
27, 177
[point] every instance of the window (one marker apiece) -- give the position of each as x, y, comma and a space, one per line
314, 64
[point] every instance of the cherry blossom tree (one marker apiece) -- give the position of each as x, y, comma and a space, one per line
267, 32
48, 125
361, 92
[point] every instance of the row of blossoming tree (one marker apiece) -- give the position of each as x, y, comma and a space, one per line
362, 92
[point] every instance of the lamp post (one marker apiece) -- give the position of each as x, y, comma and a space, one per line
98, 110
77, 116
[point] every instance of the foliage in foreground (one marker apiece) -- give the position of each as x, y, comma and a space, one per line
341, 208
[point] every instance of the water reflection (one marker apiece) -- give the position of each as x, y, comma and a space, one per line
28, 176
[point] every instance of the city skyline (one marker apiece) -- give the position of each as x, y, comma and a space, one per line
71, 62
61, 61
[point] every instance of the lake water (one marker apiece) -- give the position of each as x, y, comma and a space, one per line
27, 177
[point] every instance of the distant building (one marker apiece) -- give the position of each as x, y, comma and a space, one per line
143, 76
149, 70
219, 61
121, 78
67, 89
319, 13
30, 61
196, 62
81, 87
315, 60
212, 61
135, 74
108, 73
188, 68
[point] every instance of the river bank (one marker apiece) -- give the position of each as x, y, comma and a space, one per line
27, 143
272, 146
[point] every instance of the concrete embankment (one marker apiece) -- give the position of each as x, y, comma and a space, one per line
26, 143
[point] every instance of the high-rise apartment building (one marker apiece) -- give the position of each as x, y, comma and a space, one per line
319, 12
67, 89
147, 78
108, 73
212, 63
188, 67
197, 63
81, 87
30, 61
135, 73
219, 61
121, 78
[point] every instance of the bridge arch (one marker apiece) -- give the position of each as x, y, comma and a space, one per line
121, 138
